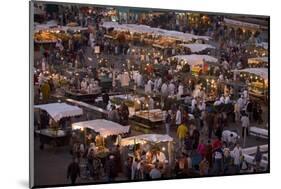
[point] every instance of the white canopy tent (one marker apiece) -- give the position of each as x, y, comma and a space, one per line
102, 126
262, 72
48, 25
263, 45
60, 110
240, 23
195, 59
156, 31
141, 139
196, 47
56, 28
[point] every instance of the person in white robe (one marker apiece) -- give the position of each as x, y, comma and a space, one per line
217, 102
160, 156
164, 89
159, 83
171, 89
193, 103
150, 103
202, 106
240, 101
84, 85
148, 87
155, 85
180, 90
236, 154
139, 80
178, 117
227, 99
245, 94
222, 99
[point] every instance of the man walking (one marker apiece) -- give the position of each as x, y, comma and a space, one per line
73, 171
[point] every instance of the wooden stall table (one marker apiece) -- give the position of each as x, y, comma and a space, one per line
81, 96
152, 118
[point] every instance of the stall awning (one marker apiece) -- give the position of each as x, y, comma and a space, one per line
241, 24
140, 139
55, 28
102, 126
197, 47
195, 59
138, 28
60, 110
262, 72
262, 44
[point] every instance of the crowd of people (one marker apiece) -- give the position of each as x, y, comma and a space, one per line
204, 143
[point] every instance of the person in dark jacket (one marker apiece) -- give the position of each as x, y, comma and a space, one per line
124, 111
249, 110
73, 171
258, 158
111, 168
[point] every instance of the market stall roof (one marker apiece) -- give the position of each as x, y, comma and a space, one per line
102, 126
139, 139
60, 110
262, 72
55, 28
257, 59
156, 31
195, 59
263, 45
196, 47
240, 23
46, 26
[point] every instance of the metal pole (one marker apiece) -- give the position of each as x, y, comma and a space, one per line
244, 138
85, 137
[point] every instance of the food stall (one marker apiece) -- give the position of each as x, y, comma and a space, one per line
258, 62
154, 116
149, 35
49, 33
241, 24
198, 63
82, 86
103, 129
151, 144
54, 135
257, 81
197, 47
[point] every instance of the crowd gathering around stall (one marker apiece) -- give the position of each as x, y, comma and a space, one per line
191, 91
